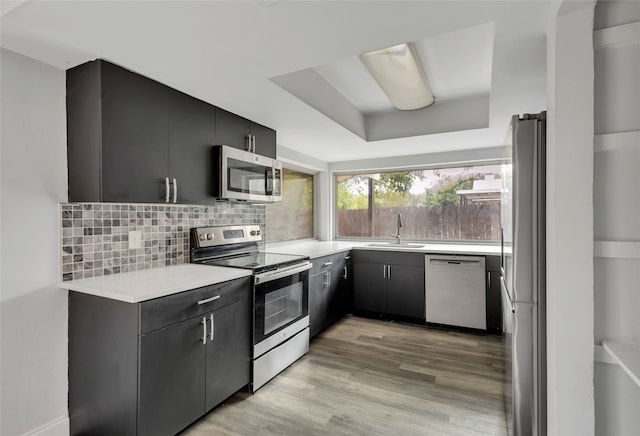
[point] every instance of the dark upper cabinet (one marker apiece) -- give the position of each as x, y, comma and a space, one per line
235, 131
232, 130
117, 135
132, 139
265, 140
192, 132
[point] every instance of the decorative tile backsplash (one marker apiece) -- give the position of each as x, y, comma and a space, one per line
95, 236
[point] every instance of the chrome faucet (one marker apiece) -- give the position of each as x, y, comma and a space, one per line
399, 224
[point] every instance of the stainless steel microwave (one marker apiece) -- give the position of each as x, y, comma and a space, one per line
242, 175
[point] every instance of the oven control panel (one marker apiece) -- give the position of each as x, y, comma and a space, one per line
221, 235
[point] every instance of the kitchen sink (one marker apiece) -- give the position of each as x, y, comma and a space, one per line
395, 244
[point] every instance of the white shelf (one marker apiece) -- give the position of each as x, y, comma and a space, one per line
616, 249
627, 356
616, 35
617, 141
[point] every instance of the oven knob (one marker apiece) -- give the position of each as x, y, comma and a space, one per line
202, 236
209, 236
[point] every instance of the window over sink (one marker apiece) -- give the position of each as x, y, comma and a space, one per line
293, 217
451, 203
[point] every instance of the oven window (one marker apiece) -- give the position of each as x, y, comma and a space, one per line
282, 306
246, 177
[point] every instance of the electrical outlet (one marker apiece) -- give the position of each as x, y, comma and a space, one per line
135, 239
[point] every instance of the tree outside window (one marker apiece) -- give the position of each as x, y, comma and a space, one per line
435, 204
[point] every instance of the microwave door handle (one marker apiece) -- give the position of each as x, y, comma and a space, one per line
268, 181
166, 189
175, 190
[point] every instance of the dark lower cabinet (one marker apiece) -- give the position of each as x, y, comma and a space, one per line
405, 291
370, 287
227, 354
389, 284
329, 291
317, 302
172, 377
131, 373
494, 295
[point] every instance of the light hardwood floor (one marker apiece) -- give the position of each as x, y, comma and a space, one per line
370, 377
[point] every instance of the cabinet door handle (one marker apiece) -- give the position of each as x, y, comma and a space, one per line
344, 276
388, 271
489, 280
327, 263
166, 189
253, 149
208, 300
384, 271
211, 331
248, 147
175, 190
204, 330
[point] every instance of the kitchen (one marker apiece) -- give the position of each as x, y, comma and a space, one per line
34, 183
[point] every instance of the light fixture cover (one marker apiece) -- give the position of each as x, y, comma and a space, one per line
399, 73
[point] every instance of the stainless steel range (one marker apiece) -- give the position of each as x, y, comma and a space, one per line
280, 294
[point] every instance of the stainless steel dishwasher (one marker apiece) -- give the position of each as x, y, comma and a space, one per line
455, 290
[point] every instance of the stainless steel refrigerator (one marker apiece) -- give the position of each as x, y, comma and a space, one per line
523, 275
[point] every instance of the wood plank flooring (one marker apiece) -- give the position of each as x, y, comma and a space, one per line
370, 377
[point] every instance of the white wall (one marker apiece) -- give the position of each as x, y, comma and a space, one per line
570, 399
33, 308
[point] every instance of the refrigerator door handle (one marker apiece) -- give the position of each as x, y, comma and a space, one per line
506, 296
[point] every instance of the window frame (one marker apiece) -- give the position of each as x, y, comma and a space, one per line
334, 206
314, 175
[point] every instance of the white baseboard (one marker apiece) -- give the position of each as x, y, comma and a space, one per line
57, 427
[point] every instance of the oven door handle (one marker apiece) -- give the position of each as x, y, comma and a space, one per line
283, 272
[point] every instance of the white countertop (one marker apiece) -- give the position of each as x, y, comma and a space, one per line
309, 248
137, 286
315, 249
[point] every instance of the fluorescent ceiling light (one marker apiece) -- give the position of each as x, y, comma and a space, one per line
399, 73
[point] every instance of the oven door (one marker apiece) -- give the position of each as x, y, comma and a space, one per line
281, 306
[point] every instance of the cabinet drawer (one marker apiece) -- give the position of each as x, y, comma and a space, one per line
161, 312
389, 257
326, 263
